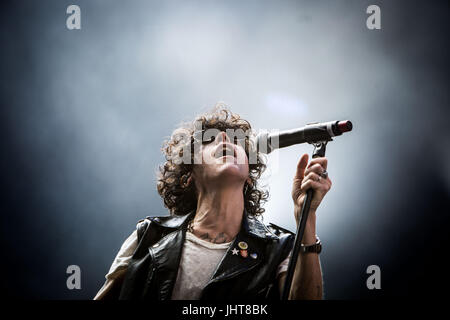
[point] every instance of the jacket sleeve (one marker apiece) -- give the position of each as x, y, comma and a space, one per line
116, 273
279, 231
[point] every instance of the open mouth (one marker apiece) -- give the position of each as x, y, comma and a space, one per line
225, 150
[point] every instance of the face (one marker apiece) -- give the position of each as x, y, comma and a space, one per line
222, 161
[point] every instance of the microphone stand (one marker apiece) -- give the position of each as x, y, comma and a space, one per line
319, 151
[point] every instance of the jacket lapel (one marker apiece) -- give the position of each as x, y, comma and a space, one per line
166, 253
255, 235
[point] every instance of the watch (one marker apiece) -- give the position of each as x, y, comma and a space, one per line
313, 248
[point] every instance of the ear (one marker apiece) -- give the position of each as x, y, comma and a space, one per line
249, 181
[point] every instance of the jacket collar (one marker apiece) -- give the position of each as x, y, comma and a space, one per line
250, 225
172, 221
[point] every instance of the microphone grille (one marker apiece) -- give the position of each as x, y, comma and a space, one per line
345, 126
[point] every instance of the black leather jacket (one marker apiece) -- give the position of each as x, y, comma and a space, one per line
153, 269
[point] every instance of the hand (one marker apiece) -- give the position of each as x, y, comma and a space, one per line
308, 177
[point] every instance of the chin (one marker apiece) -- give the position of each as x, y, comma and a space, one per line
233, 170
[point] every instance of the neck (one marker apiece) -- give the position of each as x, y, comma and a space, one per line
219, 214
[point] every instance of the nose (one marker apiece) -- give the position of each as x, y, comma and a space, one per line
222, 137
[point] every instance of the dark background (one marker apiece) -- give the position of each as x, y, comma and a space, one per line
84, 113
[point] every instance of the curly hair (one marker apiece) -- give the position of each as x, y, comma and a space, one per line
179, 196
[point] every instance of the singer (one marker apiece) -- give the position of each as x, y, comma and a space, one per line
212, 246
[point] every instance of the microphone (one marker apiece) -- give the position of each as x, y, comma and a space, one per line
311, 133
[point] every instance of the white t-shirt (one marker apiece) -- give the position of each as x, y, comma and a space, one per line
199, 259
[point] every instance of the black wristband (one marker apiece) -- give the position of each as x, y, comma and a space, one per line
313, 248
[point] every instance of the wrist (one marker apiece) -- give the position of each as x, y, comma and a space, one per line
309, 236
311, 222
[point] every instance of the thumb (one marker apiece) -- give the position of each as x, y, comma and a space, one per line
301, 167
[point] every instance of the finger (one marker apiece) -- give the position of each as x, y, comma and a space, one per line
315, 185
323, 161
317, 168
310, 184
317, 177
301, 167
312, 176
